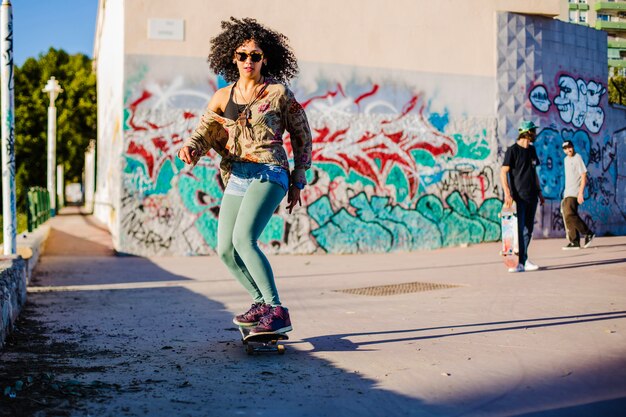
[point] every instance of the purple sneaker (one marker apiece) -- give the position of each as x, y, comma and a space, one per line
275, 321
252, 316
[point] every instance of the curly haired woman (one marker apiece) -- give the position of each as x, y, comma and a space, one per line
244, 123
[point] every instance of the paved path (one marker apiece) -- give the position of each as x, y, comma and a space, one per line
156, 333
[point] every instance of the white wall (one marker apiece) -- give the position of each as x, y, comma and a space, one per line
442, 36
110, 76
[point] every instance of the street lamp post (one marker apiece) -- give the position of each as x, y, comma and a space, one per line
7, 110
52, 88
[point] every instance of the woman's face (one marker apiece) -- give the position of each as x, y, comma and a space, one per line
249, 59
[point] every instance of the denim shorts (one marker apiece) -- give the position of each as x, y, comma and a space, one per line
243, 173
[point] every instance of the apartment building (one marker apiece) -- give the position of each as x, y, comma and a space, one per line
609, 16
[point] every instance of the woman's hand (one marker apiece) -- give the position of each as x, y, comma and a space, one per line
293, 197
187, 154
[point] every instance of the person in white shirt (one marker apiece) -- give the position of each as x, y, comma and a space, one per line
573, 196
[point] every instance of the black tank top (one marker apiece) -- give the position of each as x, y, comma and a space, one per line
233, 110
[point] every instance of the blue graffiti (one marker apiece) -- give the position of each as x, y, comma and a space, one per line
379, 226
550, 153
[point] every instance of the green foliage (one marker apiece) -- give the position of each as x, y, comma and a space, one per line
76, 117
617, 87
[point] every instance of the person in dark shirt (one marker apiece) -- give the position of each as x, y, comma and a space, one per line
521, 185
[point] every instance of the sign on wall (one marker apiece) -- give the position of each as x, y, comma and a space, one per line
166, 29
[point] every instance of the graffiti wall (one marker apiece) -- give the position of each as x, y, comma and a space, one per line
402, 160
562, 88
574, 110
394, 167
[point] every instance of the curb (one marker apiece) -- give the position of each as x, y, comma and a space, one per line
15, 274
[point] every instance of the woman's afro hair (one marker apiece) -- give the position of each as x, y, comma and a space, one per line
281, 62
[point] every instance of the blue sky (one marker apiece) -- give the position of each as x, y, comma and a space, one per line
62, 24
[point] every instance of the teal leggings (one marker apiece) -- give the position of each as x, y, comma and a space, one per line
241, 222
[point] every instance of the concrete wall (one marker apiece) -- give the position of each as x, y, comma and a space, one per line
15, 274
443, 36
408, 138
396, 154
13, 281
110, 76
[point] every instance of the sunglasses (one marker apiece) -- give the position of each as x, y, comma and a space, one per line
254, 56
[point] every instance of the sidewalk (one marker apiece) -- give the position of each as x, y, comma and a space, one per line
129, 336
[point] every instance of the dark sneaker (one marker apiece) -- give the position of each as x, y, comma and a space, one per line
252, 316
572, 246
275, 321
588, 239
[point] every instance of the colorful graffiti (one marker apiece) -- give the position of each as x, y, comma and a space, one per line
390, 172
378, 226
577, 102
577, 105
402, 159
385, 164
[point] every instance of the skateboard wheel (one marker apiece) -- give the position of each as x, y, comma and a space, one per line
281, 349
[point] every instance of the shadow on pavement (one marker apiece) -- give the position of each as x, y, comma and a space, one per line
584, 264
172, 350
331, 342
168, 351
609, 408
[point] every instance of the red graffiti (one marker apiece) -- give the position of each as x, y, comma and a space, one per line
375, 153
325, 96
134, 149
366, 95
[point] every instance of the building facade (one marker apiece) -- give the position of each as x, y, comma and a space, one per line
409, 128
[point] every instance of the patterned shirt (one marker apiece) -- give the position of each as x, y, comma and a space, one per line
259, 140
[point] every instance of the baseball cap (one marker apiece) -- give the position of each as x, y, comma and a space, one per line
567, 144
526, 125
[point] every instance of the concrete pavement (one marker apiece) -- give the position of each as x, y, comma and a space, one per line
153, 336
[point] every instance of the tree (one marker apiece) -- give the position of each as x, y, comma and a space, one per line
76, 117
617, 90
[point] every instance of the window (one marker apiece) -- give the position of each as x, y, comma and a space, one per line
604, 17
573, 15
583, 17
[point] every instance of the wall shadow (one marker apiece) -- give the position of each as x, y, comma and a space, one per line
172, 351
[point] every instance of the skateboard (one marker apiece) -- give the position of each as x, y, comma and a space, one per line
262, 342
510, 239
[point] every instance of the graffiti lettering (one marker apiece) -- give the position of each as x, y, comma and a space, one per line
578, 102
475, 185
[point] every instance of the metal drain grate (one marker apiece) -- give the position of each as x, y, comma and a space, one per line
394, 289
